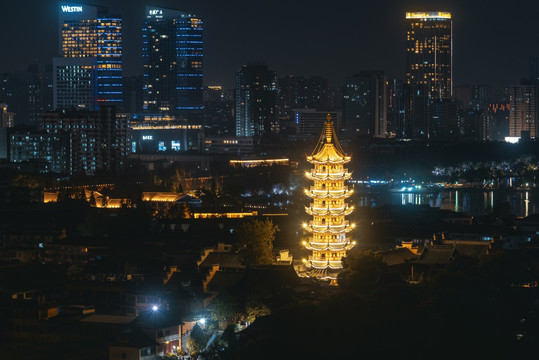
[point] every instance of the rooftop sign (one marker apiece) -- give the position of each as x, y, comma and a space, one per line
71, 9
428, 15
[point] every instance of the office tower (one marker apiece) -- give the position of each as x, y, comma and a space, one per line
523, 111
329, 242
7, 118
497, 116
364, 104
172, 53
49, 152
395, 108
4, 143
297, 92
14, 95
256, 95
35, 95
481, 95
218, 112
47, 99
132, 92
98, 139
429, 62
444, 119
88, 72
310, 122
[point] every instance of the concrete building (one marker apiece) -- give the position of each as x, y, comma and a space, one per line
523, 110
365, 104
256, 95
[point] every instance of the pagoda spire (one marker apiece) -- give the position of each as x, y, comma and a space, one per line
329, 128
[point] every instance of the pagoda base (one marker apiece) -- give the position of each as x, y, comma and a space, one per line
326, 274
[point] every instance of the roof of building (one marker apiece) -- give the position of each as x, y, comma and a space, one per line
473, 250
437, 254
108, 319
134, 338
398, 256
223, 259
224, 280
328, 147
163, 196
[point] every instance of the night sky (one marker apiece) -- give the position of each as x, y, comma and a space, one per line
492, 39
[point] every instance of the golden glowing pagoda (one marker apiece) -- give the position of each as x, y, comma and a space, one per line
329, 241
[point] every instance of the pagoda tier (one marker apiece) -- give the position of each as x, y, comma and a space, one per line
321, 176
329, 210
335, 193
329, 241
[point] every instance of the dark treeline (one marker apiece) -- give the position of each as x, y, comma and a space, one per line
473, 307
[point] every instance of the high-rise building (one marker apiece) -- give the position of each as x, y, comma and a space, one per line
132, 91
7, 118
51, 151
35, 95
523, 110
364, 104
98, 139
219, 117
496, 120
310, 122
329, 241
298, 92
395, 108
444, 119
88, 72
429, 64
172, 51
14, 94
256, 95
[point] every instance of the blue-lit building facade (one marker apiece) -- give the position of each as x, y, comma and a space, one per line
40, 151
88, 72
97, 139
173, 63
155, 133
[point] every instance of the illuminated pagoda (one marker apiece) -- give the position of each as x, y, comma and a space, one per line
329, 241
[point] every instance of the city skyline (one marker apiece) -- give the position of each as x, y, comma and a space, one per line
491, 44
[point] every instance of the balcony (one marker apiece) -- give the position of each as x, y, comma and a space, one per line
328, 175
329, 228
318, 246
312, 192
324, 263
329, 210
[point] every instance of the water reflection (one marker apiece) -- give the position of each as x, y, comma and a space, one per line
473, 202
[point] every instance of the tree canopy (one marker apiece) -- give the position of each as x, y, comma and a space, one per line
255, 242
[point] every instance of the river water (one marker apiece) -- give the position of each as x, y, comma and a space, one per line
472, 201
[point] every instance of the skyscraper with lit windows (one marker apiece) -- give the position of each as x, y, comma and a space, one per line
256, 97
172, 54
523, 111
364, 104
88, 72
429, 66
